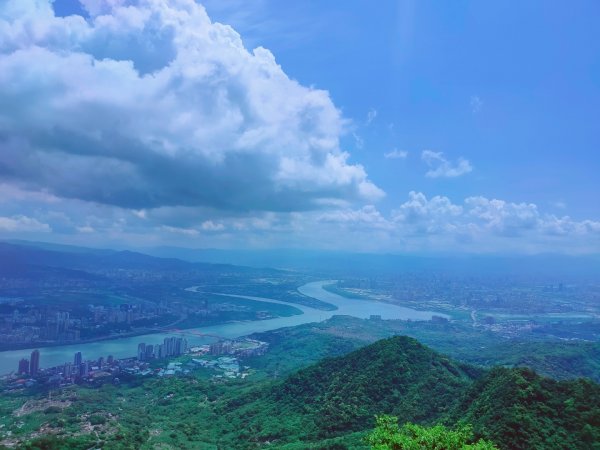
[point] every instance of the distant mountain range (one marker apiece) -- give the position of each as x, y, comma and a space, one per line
34, 260
329, 263
365, 264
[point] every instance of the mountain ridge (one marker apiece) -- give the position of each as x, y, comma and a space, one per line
339, 397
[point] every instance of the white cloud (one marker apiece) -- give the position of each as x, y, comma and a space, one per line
440, 167
209, 225
420, 223
491, 225
23, 224
178, 230
426, 215
371, 115
368, 217
148, 123
476, 104
503, 217
358, 141
396, 154
148, 103
85, 229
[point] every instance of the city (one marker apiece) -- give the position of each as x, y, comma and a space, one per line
150, 359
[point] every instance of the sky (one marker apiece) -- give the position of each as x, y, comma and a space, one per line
391, 126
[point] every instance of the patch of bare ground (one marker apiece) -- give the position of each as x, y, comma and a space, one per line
31, 406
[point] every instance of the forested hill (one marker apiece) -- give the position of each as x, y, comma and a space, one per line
514, 408
519, 409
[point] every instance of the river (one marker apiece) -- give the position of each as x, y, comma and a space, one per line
127, 347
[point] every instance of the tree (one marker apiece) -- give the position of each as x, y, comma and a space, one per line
387, 435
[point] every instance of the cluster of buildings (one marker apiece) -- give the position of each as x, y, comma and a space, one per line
30, 366
242, 348
80, 369
125, 313
27, 324
228, 364
223, 355
35, 325
69, 371
171, 346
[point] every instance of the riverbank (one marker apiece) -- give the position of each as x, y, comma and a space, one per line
123, 347
255, 306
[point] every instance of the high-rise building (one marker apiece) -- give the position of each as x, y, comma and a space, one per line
62, 322
77, 359
110, 359
84, 369
180, 346
168, 346
68, 371
149, 351
34, 365
221, 348
100, 362
23, 366
141, 354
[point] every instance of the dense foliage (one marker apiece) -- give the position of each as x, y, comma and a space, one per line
515, 408
387, 435
392, 375
520, 409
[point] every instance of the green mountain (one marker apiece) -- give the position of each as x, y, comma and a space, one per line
343, 394
519, 409
339, 397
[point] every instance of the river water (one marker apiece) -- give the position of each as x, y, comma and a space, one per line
127, 347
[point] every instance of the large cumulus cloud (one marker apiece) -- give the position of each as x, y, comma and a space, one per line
147, 103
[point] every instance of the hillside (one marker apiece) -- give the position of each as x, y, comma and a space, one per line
392, 375
515, 408
519, 409
328, 405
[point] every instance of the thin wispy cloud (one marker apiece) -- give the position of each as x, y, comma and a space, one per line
396, 154
371, 115
476, 104
440, 167
258, 25
358, 141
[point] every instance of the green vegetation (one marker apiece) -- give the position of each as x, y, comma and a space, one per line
520, 409
296, 347
344, 394
387, 435
329, 405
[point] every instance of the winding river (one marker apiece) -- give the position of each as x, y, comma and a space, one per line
126, 347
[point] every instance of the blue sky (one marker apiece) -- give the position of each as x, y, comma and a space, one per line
409, 126
533, 66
